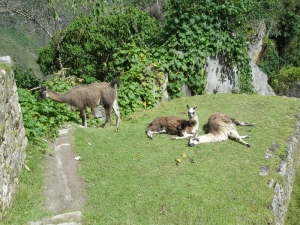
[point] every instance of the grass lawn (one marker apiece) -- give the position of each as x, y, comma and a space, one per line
131, 178
134, 180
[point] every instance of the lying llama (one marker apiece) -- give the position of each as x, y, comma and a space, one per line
175, 125
220, 127
88, 95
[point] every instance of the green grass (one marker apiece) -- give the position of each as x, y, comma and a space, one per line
130, 177
28, 202
293, 215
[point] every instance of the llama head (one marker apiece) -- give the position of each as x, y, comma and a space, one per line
191, 111
193, 141
43, 94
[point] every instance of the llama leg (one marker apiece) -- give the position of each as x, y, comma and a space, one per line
234, 135
185, 136
150, 133
107, 114
83, 117
246, 136
117, 111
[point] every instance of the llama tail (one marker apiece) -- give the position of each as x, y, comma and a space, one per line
115, 82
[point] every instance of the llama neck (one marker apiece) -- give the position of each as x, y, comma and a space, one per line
194, 121
58, 97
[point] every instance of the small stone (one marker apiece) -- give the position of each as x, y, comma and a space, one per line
270, 183
264, 170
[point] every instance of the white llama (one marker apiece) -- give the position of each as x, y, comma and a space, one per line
220, 127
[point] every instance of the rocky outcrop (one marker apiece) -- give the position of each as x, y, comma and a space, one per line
13, 139
225, 80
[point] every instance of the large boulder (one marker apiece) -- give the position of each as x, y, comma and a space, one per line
221, 79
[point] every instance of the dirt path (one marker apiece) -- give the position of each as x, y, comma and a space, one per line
63, 185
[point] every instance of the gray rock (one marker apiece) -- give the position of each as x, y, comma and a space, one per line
6, 60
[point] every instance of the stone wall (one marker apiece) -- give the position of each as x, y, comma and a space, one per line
13, 139
287, 169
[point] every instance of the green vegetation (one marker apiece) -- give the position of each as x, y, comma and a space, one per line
126, 43
281, 44
189, 37
293, 215
222, 186
285, 78
179, 48
28, 204
42, 119
21, 48
25, 80
130, 177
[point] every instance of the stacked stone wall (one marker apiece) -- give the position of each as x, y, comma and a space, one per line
13, 141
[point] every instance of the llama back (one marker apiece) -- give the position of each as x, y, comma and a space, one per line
219, 122
108, 93
84, 95
172, 124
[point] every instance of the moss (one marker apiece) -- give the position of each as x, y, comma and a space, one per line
6, 67
1, 131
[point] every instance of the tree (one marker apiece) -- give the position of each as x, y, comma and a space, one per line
88, 46
51, 16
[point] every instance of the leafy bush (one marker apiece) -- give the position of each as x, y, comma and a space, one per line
186, 40
87, 46
270, 61
286, 77
25, 80
189, 37
283, 28
42, 119
138, 90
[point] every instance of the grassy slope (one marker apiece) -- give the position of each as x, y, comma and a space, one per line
21, 48
130, 177
293, 214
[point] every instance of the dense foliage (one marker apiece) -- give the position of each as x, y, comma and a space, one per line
119, 41
26, 79
194, 31
282, 44
140, 86
91, 48
42, 119
87, 47
285, 78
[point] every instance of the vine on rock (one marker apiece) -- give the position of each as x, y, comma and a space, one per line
194, 31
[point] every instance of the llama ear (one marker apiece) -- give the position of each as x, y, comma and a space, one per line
43, 88
195, 107
188, 106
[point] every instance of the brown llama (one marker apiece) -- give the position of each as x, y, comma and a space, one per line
88, 95
175, 125
220, 127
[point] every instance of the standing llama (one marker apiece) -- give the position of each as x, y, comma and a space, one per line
88, 95
220, 127
175, 125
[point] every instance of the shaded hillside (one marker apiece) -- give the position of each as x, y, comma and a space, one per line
21, 48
